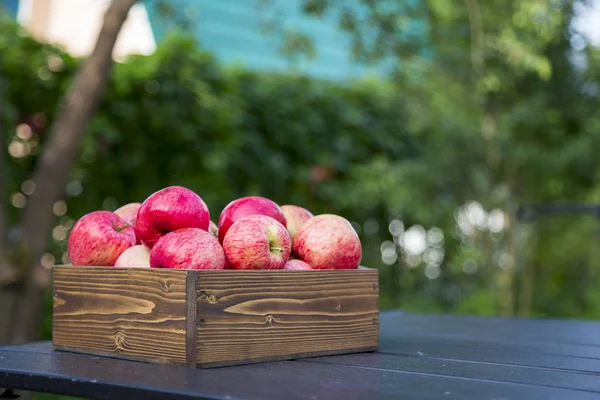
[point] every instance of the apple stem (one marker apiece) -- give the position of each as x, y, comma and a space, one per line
120, 228
279, 249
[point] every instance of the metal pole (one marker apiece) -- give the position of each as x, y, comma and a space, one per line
531, 212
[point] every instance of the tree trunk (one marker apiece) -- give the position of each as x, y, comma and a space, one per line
7, 273
21, 303
3, 203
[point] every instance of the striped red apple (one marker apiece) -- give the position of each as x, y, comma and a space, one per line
246, 206
328, 241
257, 242
99, 238
188, 248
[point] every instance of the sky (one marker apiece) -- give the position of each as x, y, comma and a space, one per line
588, 22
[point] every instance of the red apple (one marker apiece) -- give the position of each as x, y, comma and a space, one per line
129, 212
328, 241
246, 206
257, 242
295, 217
168, 210
189, 248
213, 229
134, 257
296, 264
99, 238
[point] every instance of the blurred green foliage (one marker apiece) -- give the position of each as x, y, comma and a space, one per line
491, 109
429, 165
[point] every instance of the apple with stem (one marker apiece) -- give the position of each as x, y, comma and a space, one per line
247, 206
99, 238
168, 210
257, 242
129, 212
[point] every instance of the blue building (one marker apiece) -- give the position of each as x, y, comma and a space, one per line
233, 30
11, 6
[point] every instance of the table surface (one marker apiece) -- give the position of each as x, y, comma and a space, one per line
420, 357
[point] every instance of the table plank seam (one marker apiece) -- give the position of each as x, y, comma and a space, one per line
431, 374
575, 371
443, 343
523, 341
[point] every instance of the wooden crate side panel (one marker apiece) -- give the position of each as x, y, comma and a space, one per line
123, 312
270, 315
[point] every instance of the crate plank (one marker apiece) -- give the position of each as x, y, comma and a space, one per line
274, 315
128, 313
214, 318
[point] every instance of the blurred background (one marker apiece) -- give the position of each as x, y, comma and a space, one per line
460, 138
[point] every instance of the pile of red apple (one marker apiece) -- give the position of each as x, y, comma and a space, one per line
172, 229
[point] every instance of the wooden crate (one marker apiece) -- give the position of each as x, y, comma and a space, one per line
214, 318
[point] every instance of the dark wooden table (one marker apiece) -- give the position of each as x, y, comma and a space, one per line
421, 357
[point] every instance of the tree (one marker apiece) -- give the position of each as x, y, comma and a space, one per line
21, 294
495, 82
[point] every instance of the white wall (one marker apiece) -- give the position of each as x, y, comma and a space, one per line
75, 24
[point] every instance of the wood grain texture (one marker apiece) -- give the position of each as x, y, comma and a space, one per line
125, 312
214, 318
254, 316
190, 324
